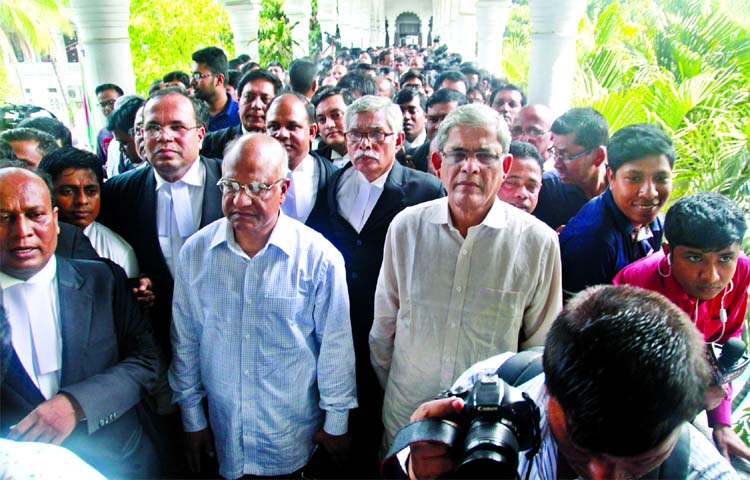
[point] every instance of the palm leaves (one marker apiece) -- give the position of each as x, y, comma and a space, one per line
35, 20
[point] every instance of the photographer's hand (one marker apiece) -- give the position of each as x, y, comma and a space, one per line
429, 460
729, 443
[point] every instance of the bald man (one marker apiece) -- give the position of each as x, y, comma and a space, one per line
532, 125
268, 294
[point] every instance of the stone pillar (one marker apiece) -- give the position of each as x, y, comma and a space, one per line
298, 12
104, 43
425, 29
243, 17
345, 23
492, 17
392, 31
464, 32
554, 28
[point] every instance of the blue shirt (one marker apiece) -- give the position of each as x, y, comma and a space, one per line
229, 116
597, 243
558, 201
267, 340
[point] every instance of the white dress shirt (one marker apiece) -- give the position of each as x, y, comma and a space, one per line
171, 238
418, 141
357, 197
338, 160
303, 190
444, 302
32, 307
112, 246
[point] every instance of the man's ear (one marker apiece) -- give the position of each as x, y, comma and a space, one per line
601, 155
507, 162
313, 131
666, 248
220, 79
610, 176
437, 162
400, 139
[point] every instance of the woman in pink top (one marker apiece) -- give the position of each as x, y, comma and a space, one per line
703, 271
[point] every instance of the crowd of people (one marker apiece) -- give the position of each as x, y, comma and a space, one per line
264, 272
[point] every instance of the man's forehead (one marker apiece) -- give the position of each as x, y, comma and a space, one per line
174, 105
527, 165
259, 85
108, 93
19, 182
445, 107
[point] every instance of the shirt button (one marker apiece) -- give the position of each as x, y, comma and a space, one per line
459, 289
247, 373
247, 337
464, 252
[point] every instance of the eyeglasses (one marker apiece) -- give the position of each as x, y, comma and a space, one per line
200, 76
154, 130
570, 158
485, 158
375, 136
108, 103
254, 189
517, 131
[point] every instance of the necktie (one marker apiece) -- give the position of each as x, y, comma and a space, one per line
360, 206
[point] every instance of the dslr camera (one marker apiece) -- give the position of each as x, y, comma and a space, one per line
497, 422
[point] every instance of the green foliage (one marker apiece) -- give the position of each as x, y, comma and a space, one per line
275, 34
163, 35
9, 91
316, 36
34, 20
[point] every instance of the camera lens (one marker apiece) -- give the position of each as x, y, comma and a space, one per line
491, 451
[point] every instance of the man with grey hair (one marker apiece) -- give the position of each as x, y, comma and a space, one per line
261, 328
494, 287
363, 197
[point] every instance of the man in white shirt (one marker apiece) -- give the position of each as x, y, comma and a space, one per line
291, 120
462, 277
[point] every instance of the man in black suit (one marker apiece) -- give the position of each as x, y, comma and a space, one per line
256, 90
158, 207
362, 199
83, 355
291, 121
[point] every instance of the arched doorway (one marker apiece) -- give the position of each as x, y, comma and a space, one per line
408, 30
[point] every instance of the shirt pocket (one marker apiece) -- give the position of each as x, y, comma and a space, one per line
491, 322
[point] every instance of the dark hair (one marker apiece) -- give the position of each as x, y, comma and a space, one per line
453, 76
400, 58
410, 74
250, 66
508, 86
707, 221
275, 63
635, 142
108, 86
6, 151
45, 142
156, 85
305, 102
406, 95
213, 58
260, 74
447, 95
329, 91
177, 76
382, 55
624, 363
468, 69
52, 126
302, 75
233, 78
357, 82
589, 126
478, 90
56, 162
200, 109
526, 150
243, 58
123, 117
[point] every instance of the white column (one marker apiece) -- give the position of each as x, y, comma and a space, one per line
104, 43
464, 39
554, 28
298, 12
327, 18
392, 31
243, 18
425, 29
345, 23
492, 17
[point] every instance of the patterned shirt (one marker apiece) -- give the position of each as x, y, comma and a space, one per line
267, 340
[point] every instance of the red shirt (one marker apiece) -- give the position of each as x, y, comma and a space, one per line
644, 273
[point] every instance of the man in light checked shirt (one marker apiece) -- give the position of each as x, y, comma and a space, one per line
261, 328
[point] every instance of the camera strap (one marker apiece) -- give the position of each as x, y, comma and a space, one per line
432, 430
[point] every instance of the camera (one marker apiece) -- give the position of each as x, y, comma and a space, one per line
496, 423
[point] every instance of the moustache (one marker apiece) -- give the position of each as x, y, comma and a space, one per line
369, 155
